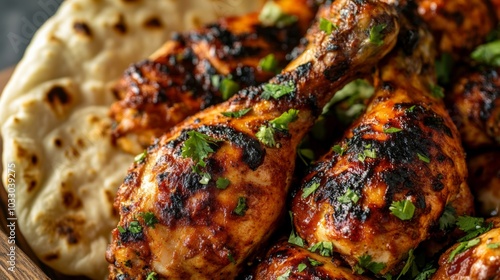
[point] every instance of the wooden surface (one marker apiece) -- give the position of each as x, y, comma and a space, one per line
4, 77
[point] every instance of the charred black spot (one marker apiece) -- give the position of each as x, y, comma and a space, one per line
398, 180
34, 159
245, 75
51, 257
407, 40
153, 23
253, 152
69, 233
120, 26
127, 236
130, 179
58, 95
173, 209
82, 28
437, 185
437, 123
303, 69
387, 86
335, 72
191, 181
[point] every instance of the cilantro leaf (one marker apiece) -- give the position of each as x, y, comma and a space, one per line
326, 26
228, 88
493, 245
376, 36
462, 247
339, 149
437, 91
365, 262
236, 114
205, 178
306, 155
272, 15
241, 207
152, 276
140, 157
392, 130
276, 91
134, 227
266, 136
301, 267
403, 209
222, 183
348, 197
314, 262
472, 227
149, 219
311, 188
230, 257
285, 275
448, 218
423, 158
269, 63
325, 248
408, 264
294, 238
444, 66
488, 54
282, 122
197, 147
426, 273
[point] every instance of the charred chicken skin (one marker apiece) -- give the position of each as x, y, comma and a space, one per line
382, 190
474, 104
198, 69
477, 259
285, 259
459, 25
206, 195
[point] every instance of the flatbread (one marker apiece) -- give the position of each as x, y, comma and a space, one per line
55, 126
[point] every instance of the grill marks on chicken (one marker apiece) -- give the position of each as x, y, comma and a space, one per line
204, 232
186, 75
404, 150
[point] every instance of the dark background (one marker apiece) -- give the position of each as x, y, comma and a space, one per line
19, 19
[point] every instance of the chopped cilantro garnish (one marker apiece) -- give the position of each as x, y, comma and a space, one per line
149, 219
444, 68
403, 209
448, 218
310, 189
228, 88
282, 122
236, 114
285, 275
273, 15
324, 248
215, 80
339, 149
488, 54
121, 230
230, 257
326, 26
410, 110
408, 264
276, 91
205, 178
152, 276
294, 238
241, 207
266, 136
437, 91
306, 155
314, 262
423, 158
348, 197
472, 226
462, 247
140, 157
493, 245
365, 262
222, 183
197, 147
426, 273
134, 227
269, 63
376, 37
301, 267
368, 152
392, 130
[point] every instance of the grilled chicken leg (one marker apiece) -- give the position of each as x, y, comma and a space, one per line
191, 72
382, 190
192, 212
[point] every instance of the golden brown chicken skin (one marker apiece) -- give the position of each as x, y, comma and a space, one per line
484, 181
480, 260
457, 25
188, 73
474, 104
288, 260
403, 153
205, 230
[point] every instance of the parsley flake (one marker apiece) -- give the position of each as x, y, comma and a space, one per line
140, 157
410, 110
423, 158
273, 15
301, 267
493, 245
285, 275
152, 276
236, 114
121, 230
230, 257
215, 80
437, 91
134, 227
448, 218
324, 248
282, 122
326, 26
403, 209
222, 183
266, 136
310, 189
376, 37
444, 67
462, 247
392, 130
205, 178
149, 219
294, 238
269, 64
197, 147
426, 273
241, 207
276, 91
408, 264
368, 152
306, 155
472, 227
488, 54
365, 262
314, 262
339, 149
228, 88
348, 197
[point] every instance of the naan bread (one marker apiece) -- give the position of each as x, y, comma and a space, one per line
55, 126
